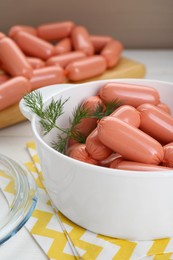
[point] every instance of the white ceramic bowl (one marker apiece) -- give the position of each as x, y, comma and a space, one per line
124, 204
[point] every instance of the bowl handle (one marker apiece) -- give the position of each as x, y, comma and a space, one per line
46, 93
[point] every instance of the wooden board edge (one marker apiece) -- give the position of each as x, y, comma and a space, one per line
11, 116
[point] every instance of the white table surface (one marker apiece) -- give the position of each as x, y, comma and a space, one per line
159, 64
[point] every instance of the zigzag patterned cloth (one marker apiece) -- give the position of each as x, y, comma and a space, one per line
61, 239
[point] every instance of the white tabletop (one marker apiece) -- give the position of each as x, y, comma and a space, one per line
159, 64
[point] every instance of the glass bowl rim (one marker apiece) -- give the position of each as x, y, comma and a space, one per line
24, 201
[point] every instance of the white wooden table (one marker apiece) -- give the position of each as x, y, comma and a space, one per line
159, 64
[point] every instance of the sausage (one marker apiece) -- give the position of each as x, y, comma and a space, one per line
71, 142
4, 69
128, 114
98, 150
63, 46
92, 103
2, 35
3, 78
116, 161
136, 166
14, 59
13, 90
55, 31
79, 152
129, 141
81, 40
86, 68
36, 63
99, 42
87, 125
156, 123
24, 28
34, 46
168, 155
64, 59
95, 148
106, 162
112, 53
164, 107
129, 94
47, 76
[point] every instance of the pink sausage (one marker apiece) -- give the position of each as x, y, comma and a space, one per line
95, 148
47, 76
168, 155
115, 162
71, 142
112, 53
87, 125
107, 162
164, 108
81, 40
64, 59
136, 166
24, 28
4, 69
79, 152
92, 103
13, 59
2, 35
13, 90
86, 68
36, 63
63, 46
34, 46
129, 141
128, 114
129, 94
99, 42
3, 78
55, 31
156, 123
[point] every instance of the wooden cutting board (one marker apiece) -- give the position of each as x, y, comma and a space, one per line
126, 68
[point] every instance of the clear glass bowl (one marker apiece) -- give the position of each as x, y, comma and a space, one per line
18, 197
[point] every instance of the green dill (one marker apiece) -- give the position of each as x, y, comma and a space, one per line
34, 101
77, 136
106, 110
112, 106
99, 111
49, 114
78, 114
60, 144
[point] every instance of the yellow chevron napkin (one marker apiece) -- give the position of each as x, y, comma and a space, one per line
65, 240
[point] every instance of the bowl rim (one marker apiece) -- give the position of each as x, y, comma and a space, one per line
96, 168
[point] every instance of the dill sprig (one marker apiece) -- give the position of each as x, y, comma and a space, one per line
34, 101
79, 137
78, 114
53, 111
112, 106
60, 144
106, 110
49, 115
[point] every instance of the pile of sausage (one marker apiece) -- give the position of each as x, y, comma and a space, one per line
31, 58
137, 136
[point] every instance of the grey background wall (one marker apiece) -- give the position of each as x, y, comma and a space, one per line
137, 23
